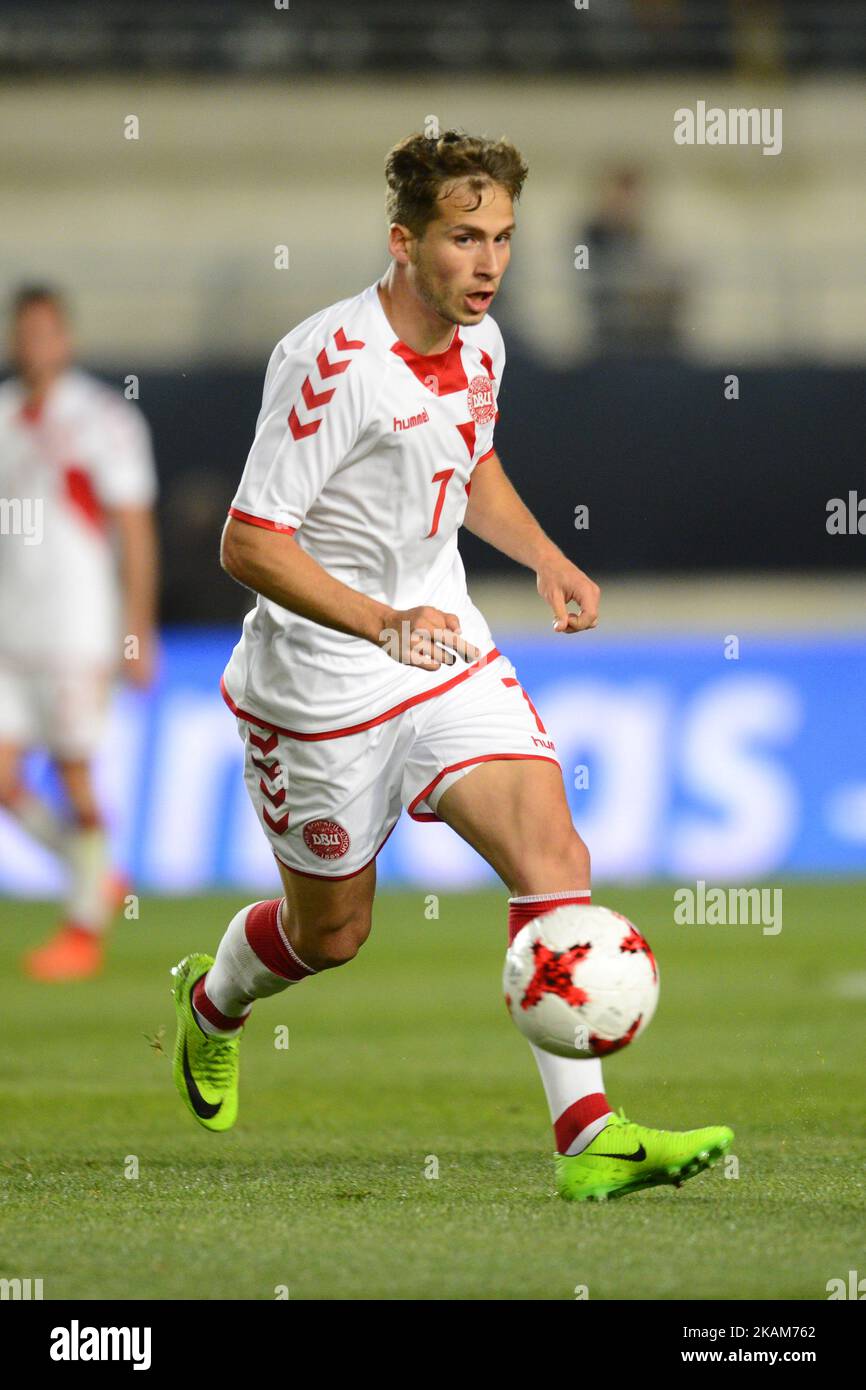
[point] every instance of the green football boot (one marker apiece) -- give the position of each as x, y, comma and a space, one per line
624, 1157
205, 1068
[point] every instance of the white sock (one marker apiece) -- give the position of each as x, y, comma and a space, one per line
571, 1084
87, 853
253, 961
574, 1086
83, 848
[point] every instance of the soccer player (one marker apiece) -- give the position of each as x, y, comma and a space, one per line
366, 681
77, 485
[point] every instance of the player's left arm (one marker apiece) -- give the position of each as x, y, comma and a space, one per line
135, 528
496, 514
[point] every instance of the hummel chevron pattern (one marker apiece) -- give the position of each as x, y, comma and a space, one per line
315, 399
272, 770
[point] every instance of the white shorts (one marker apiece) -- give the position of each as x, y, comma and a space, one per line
327, 805
63, 712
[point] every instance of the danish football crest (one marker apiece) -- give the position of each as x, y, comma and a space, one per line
326, 838
481, 401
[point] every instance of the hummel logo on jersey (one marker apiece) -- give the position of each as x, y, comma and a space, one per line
411, 420
637, 1157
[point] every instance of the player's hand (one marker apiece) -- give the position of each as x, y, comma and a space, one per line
560, 583
424, 637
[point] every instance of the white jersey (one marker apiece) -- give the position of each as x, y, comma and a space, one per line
364, 451
62, 468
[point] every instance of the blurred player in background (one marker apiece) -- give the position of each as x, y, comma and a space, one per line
78, 570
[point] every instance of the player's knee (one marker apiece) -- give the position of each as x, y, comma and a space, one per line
338, 940
579, 858
561, 861
80, 798
10, 789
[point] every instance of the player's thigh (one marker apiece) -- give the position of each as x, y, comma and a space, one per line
483, 761
326, 807
75, 705
515, 814
19, 727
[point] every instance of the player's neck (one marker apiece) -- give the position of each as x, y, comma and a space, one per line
414, 322
38, 388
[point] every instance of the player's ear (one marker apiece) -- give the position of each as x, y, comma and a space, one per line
400, 241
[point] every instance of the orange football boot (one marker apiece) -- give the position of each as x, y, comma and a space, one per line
72, 954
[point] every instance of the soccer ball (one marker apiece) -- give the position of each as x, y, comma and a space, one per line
580, 981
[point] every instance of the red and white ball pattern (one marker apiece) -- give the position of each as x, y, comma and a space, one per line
581, 981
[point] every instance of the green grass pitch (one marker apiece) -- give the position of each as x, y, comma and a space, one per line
407, 1056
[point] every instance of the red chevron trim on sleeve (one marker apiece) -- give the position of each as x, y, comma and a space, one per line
314, 399
327, 368
261, 521
345, 344
311, 399
300, 431
488, 455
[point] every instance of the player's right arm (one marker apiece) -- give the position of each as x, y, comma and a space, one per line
288, 466
274, 565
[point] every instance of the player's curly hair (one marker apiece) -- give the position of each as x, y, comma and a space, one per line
417, 168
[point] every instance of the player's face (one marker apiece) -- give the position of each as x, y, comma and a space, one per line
461, 258
41, 343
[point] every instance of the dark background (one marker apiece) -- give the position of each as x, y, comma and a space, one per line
675, 476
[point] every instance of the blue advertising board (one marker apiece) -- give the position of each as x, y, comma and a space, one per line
682, 758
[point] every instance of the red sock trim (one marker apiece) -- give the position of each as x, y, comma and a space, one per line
577, 1117
262, 930
82, 932
521, 913
206, 1007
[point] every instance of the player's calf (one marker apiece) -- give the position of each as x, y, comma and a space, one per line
263, 952
214, 997
254, 960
